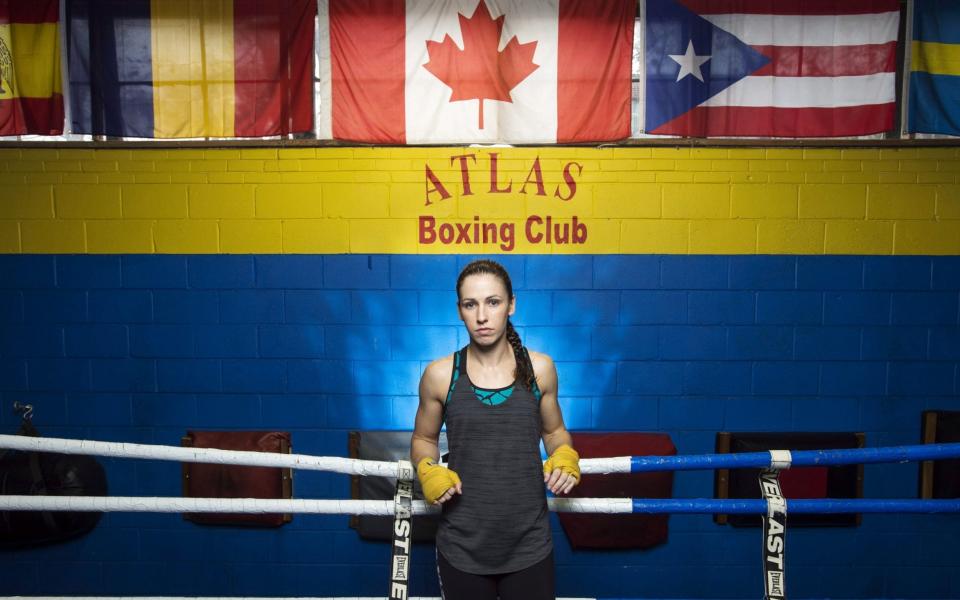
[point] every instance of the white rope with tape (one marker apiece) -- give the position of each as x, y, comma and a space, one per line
350, 466
604, 466
780, 459
335, 464
258, 505
225, 598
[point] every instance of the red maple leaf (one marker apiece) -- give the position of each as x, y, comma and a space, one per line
479, 70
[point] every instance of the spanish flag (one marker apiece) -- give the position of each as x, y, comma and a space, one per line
31, 97
935, 69
191, 68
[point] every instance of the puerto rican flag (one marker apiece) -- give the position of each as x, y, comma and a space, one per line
770, 68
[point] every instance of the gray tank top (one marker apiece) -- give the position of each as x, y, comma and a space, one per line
500, 522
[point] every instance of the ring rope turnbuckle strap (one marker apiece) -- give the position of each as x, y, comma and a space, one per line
774, 534
402, 529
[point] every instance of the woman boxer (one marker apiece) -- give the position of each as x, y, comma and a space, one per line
498, 400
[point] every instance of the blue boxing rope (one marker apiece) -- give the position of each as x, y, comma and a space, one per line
825, 506
798, 458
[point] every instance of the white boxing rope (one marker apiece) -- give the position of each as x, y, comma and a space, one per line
204, 505
260, 505
610, 506
605, 466
225, 598
335, 464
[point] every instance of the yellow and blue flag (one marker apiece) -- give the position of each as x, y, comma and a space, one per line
935, 68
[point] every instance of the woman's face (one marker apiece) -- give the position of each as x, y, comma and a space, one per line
484, 308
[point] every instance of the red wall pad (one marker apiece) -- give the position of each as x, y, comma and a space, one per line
201, 480
620, 531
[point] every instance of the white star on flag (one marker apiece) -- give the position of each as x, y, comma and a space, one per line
689, 62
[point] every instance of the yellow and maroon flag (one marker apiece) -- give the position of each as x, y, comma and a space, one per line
31, 97
191, 68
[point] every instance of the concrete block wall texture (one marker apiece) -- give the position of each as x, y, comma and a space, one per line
144, 292
873, 201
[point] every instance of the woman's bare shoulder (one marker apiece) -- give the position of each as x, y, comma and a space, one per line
542, 363
436, 375
545, 372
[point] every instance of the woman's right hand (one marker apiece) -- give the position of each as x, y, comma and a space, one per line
439, 483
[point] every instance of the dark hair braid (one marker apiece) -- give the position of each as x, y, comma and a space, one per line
524, 369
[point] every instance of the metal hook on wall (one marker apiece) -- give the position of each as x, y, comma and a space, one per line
24, 410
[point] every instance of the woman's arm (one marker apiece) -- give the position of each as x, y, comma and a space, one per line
424, 444
429, 419
554, 433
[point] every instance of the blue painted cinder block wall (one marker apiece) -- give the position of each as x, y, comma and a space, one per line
143, 348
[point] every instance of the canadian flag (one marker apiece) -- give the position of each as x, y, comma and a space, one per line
475, 71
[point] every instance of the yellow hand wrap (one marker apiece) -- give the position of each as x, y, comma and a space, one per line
566, 459
435, 479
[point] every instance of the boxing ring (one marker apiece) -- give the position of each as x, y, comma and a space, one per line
772, 506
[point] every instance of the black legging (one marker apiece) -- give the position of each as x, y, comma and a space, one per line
536, 582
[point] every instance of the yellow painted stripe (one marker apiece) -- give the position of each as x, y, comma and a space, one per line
373, 200
35, 72
936, 58
193, 68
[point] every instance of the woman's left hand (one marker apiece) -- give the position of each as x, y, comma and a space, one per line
562, 470
559, 482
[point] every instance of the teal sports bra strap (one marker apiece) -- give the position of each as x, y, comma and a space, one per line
453, 376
